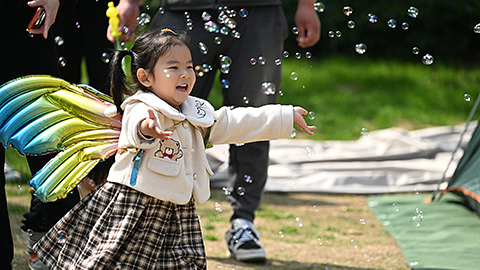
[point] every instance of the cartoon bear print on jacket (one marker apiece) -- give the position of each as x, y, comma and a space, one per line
169, 149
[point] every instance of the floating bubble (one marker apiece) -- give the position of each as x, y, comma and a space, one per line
405, 26
243, 13
311, 115
315, 208
295, 30
62, 61
415, 191
351, 24
143, 19
126, 31
308, 55
203, 47
364, 132
415, 50
217, 40
236, 34
218, 207
206, 16
225, 84
372, 18
414, 263
226, 191
211, 27
299, 222
338, 33
278, 61
362, 221
347, 10
253, 61
309, 152
59, 40
366, 257
189, 24
466, 97
395, 207
320, 241
416, 221
286, 54
280, 92
360, 48
246, 100
354, 243
161, 10
261, 60
280, 233
199, 71
30, 34
225, 61
241, 191
207, 68
294, 76
298, 55
392, 23
293, 184
186, 14
427, 59
331, 34
30, 232
476, 28
269, 88
77, 24
412, 12
105, 57
319, 7
294, 133
61, 237
230, 23
418, 212
225, 31
248, 178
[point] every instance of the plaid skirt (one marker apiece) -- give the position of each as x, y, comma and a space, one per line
116, 227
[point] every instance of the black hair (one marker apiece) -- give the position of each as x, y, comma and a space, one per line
145, 52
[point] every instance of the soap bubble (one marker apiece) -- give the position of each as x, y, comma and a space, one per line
226, 191
61, 237
217, 40
298, 55
347, 10
293, 184
253, 61
392, 23
243, 13
77, 24
295, 30
351, 24
224, 30
294, 76
362, 221
309, 152
364, 132
427, 59
105, 57
186, 14
236, 34
466, 97
285, 54
30, 232
261, 60
319, 7
161, 10
280, 233
246, 100
418, 212
353, 243
225, 61
372, 18
248, 178
405, 26
415, 50
59, 40
269, 88
206, 16
278, 61
62, 61
416, 221
395, 207
241, 191
412, 12
230, 23
225, 84
211, 27
299, 221
203, 47
311, 115
476, 29
293, 134
189, 24
338, 33
218, 207
308, 55
331, 34
366, 257
360, 48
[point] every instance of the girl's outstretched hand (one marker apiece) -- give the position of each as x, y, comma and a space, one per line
149, 127
298, 113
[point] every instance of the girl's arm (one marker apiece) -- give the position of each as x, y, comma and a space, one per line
149, 128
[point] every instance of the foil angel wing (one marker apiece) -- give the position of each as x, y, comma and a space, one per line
43, 114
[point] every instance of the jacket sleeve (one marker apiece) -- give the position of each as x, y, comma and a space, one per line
248, 124
130, 137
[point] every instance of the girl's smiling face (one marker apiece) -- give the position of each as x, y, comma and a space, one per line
173, 77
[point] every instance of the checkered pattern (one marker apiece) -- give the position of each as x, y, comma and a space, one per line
116, 227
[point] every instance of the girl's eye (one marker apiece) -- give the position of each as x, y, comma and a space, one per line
173, 67
190, 67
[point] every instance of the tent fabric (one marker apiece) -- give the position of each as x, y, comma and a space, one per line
465, 181
385, 161
447, 237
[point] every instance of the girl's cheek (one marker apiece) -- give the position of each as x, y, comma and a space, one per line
167, 73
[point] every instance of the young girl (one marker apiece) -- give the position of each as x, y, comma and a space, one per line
144, 216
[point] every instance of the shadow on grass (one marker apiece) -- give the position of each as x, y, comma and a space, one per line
282, 264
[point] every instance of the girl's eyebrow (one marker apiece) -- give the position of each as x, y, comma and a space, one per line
173, 61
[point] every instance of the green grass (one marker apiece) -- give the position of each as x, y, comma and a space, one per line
350, 94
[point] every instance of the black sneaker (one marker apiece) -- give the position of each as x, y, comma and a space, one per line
242, 242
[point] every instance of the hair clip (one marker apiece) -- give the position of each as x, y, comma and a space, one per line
168, 30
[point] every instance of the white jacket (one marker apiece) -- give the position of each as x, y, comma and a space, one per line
173, 170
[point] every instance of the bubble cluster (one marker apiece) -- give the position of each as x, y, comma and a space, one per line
319, 7
203, 47
372, 18
59, 40
143, 19
417, 218
413, 12
269, 88
218, 207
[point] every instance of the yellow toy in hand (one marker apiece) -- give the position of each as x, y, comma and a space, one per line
112, 13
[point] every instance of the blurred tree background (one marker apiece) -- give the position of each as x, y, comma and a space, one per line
443, 28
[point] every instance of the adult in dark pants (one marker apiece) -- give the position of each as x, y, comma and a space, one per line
23, 54
80, 33
262, 33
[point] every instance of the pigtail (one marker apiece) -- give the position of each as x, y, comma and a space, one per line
119, 84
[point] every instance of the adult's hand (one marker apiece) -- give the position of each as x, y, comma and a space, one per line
308, 24
128, 12
51, 9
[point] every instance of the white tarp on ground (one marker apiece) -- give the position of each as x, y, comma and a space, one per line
386, 161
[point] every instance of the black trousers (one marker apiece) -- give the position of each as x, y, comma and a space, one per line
262, 34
